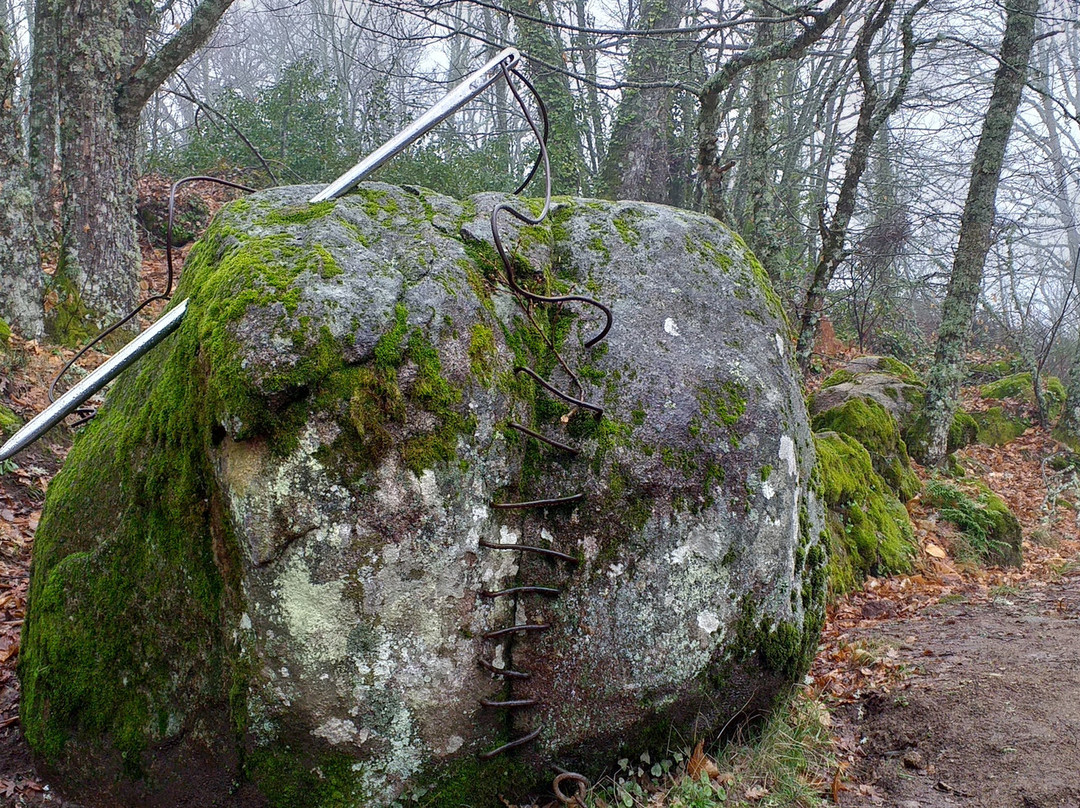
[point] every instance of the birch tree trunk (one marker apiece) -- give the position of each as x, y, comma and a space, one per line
930, 436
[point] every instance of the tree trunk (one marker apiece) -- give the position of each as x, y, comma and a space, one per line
640, 158
20, 291
543, 52
44, 119
943, 384
757, 168
101, 53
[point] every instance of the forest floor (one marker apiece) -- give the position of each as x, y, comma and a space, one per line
953, 686
959, 686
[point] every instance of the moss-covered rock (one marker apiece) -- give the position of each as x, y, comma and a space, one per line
873, 427
869, 528
1019, 386
996, 427
9, 422
266, 559
990, 531
985, 372
964, 431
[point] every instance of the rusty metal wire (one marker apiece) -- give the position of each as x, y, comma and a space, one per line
530, 298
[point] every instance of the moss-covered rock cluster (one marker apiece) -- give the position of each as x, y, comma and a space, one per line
263, 563
864, 466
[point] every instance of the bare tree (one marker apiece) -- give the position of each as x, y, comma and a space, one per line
930, 438
873, 113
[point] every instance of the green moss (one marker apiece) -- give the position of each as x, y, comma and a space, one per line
69, 321
132, 572
992, 371
781, 647
996, 427
964, 431
298, 214
482, 352
469, 782
991, 531
376, 202
288, 781
5, 332
870, 532
597, 245
838, 377
897, 368
1017, 385
873, 427
9, 422
624, 226
1055, 396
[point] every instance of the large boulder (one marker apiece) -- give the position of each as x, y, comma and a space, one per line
262, 576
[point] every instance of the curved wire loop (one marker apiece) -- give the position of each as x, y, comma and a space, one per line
511, 280
87, 413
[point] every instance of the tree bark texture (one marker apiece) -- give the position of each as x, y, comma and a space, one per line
757, 169
106, 79
543, 53
20, 270
641, 159
44, 119
976, 224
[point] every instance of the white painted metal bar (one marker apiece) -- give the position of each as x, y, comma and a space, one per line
100, 377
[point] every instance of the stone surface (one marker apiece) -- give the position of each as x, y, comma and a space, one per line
258, 579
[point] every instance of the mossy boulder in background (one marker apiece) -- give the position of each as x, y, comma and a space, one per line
260, 577
1019, 386
995, 427
869, 527
872, 426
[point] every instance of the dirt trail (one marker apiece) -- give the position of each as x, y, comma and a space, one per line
987, 709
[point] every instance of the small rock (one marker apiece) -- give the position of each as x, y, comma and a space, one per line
913, 759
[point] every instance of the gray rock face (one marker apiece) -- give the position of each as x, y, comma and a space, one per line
337, 405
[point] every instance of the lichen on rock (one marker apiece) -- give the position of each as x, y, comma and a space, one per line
264, 559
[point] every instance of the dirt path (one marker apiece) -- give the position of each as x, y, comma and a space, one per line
986, 711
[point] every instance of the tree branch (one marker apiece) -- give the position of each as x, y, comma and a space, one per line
137, 90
